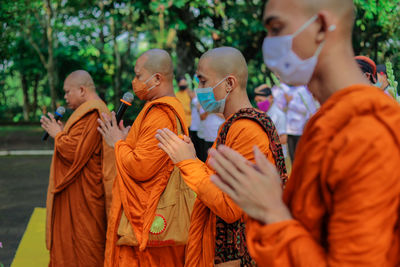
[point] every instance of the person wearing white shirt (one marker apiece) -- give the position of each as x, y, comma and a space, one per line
265, 102
299, 105
208, 131
195, 126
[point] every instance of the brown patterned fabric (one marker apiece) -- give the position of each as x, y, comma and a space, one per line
230, 242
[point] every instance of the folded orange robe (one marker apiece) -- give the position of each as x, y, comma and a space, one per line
143, 173
81, 177
344, 190
243, 135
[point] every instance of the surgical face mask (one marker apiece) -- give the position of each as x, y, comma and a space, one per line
378, 84
140, 88
264, 105
281, 59
207, 99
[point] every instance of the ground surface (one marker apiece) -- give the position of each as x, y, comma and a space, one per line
23, 185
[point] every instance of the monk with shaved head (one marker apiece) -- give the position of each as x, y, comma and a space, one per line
81, 177
217, 230
136, 230
341, 204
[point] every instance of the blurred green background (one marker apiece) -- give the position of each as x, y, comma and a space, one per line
42, 41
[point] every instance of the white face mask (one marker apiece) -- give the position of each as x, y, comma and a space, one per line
281, 59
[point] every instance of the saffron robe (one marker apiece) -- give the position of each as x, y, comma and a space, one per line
242, 136
344, 190
79, 192
143, 173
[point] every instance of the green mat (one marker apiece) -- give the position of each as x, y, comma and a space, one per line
32, 248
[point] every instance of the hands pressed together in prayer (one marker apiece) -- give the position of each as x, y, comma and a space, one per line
50, 125
178, 149
110, 131
256, 188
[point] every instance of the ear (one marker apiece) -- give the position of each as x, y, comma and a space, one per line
158, 78
231, 83
327, 25
82, 90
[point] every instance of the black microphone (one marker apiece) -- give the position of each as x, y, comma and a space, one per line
58, 115
125, 103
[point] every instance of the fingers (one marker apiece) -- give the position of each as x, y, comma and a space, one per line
225, 169
236, 159
106, 121
224, 187
171, 135
165, 149
102, 125
51, 116
263, 164
121, 125
163, 138
187, 139
113, 119
101, 131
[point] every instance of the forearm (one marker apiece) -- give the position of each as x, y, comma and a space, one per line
197, 176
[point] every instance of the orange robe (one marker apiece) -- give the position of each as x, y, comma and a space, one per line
143, 173
344, 191
242, 136
81, 177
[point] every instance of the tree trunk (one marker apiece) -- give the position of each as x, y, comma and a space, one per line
50, 66
117, 63
25, 88
35, 95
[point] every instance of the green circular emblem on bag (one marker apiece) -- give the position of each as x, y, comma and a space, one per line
159, 225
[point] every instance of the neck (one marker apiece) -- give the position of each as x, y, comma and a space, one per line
163, 90
236, 103
336, 70
93, 96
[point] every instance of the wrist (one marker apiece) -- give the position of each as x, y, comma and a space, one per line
277, 215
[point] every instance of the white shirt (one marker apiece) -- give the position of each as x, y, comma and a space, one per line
278, 117
209, 127
195, 115
298, 110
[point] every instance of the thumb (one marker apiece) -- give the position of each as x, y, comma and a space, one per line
187, 139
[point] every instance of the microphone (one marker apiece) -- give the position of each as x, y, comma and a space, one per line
58, 115
125, 103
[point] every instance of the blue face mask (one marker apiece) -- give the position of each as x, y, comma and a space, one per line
207, 99
378, 84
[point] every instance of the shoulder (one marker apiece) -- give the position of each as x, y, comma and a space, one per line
246, 129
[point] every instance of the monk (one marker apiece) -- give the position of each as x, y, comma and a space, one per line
143, 169
217, 230
341, 204
81, 177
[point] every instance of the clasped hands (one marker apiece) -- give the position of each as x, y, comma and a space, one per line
256, 188
110, 130
51, 125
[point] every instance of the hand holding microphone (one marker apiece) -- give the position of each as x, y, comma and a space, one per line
52, 125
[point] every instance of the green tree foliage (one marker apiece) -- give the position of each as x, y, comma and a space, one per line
41, 41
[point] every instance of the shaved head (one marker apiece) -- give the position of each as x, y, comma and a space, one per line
227, 61
158, 61
340, 7
81, 78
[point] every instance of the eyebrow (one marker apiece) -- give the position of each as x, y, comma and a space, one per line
269, 19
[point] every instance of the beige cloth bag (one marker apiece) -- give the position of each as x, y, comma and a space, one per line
172, 221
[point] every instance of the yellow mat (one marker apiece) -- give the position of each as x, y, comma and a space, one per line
32, 248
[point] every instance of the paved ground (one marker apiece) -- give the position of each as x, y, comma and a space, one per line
23, 185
